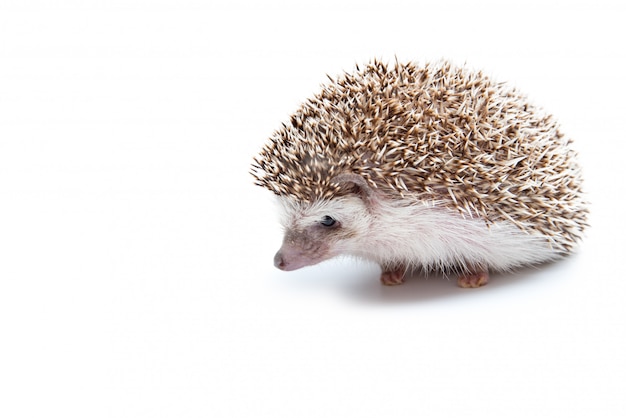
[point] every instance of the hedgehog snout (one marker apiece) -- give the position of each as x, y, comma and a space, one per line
279, 261
291, 260
299, 250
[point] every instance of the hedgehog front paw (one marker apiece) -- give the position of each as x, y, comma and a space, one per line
472, 280
393, 277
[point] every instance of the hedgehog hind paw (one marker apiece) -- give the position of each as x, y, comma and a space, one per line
393, 277
474, 279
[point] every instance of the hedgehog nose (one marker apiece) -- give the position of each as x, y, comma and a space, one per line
279, 262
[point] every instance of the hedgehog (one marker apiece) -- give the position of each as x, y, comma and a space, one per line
431, 167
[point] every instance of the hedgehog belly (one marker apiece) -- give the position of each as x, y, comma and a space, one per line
431, 238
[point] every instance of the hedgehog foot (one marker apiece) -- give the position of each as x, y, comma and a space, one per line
472, 280
393, 277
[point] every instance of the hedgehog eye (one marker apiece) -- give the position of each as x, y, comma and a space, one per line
328, 221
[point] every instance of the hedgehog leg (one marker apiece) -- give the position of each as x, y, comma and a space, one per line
393, 276
471, 280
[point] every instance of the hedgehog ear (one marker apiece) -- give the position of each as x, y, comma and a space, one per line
357, 185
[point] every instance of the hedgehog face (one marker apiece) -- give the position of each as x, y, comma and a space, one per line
318, 231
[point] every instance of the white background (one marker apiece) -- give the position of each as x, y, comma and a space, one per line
136, 275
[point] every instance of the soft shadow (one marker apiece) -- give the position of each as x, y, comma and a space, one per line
420, 288
359, 282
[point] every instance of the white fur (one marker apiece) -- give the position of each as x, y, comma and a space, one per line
421, 235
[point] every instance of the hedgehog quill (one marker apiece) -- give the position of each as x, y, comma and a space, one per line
432, 167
